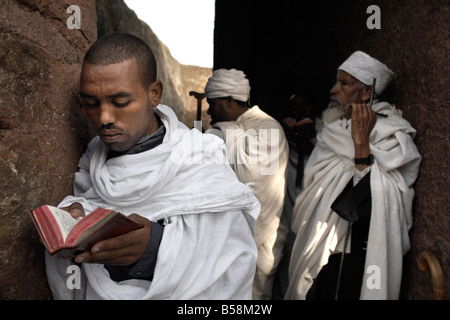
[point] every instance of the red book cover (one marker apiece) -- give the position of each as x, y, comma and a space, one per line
61, 233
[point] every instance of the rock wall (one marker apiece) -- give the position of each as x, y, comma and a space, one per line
177, 79
281, 47
292, 45
41, 129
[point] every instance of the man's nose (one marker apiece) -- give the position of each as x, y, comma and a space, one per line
333, 89
106, 114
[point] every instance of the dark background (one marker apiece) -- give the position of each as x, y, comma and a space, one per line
283, 46
286, 46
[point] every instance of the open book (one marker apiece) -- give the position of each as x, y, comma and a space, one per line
61, 233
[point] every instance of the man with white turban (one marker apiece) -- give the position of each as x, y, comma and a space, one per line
358, 192
258, 153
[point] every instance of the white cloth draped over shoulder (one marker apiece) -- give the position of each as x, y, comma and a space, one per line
320, 232
258, 153
207, 250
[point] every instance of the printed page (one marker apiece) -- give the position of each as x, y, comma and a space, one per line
65, 221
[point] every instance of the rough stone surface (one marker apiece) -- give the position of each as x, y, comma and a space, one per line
416, 41
41, 133
282, 48
177, 79
294, 45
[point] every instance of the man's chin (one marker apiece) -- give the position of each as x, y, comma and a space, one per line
333, 112
116, 146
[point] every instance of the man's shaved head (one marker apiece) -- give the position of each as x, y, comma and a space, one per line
118, 47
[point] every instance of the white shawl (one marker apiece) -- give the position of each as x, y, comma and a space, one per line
258, 153
207, 250
320, 231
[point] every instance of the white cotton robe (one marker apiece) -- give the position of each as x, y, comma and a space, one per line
320, 232
258, 153
207, 250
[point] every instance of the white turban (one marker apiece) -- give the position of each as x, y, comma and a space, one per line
224, 83
365, 68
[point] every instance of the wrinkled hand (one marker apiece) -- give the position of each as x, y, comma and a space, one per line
363, 121
121, 250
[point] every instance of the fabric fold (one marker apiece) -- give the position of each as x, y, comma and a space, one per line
320, 231
210, 215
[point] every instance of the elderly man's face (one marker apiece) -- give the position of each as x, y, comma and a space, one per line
117, 103
346, 90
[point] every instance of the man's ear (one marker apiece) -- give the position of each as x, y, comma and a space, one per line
230, 101
155, 91
366, 93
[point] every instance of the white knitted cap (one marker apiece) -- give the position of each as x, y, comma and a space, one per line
365, 68
224, 83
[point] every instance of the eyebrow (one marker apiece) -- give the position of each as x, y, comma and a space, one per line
121, 94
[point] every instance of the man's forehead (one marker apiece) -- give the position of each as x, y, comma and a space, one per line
110, 68
342, 75
123, 72
212, 100
109, 80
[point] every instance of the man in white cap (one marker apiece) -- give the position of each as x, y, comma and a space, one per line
358, 192
258, 153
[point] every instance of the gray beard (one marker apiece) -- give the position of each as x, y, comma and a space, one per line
332, 113
336, 110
